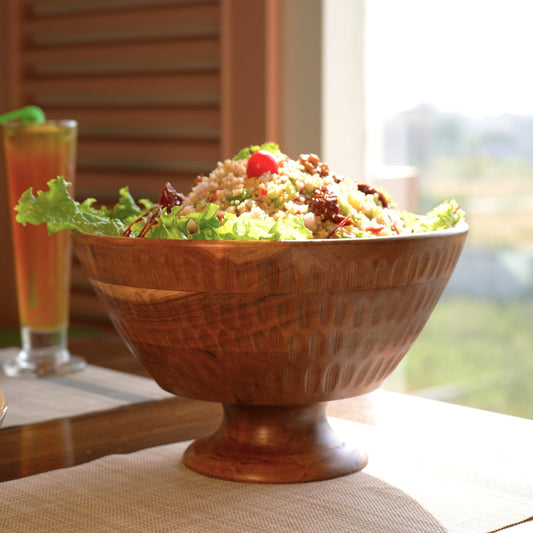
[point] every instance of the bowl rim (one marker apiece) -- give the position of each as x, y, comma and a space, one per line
460, 228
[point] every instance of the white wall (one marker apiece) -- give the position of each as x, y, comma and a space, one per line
323, 82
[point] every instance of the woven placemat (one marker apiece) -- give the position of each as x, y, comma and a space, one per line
32, 400
408, 487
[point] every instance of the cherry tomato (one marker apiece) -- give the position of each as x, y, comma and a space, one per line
261, 162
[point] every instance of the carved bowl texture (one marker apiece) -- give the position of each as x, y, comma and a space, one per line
270, 323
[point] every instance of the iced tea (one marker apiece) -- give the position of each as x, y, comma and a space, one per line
35, 154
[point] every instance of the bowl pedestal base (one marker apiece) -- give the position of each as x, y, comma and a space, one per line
274, 444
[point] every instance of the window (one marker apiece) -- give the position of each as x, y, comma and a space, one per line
449, 92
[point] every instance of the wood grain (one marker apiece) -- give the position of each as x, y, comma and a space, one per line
36, 448
274, 444
283, 324
66, 442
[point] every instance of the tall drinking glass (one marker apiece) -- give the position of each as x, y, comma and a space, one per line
36, 153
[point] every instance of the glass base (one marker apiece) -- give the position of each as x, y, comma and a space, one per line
43, 353
17, 368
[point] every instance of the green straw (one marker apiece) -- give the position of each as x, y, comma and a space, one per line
25, 114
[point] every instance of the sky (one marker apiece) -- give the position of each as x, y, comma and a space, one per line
470, 56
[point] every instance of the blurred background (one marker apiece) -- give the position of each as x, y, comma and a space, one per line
449, 92
429, 99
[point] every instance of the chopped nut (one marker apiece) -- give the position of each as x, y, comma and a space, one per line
310, 221
312, 165
192, 226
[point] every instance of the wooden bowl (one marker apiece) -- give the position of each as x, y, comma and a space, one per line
273, 331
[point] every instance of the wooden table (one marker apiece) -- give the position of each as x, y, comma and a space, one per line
75, 440
121, 430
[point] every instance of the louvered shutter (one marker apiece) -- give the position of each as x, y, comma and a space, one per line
142, 79
162, 89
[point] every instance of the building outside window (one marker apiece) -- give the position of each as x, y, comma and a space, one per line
449, 91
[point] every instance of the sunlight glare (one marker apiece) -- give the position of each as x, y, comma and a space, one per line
472, 56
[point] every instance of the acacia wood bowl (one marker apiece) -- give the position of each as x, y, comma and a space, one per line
273, 331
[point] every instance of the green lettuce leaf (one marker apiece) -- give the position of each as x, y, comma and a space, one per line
126, 209
207, 226
251, 229
59, 211
445, 215
173, 226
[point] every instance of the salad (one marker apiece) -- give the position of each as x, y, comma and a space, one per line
260, 194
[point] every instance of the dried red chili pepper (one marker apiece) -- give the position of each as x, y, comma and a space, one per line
170, 197
346, 221
151, 216
368, 189
376, 229
325, 204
